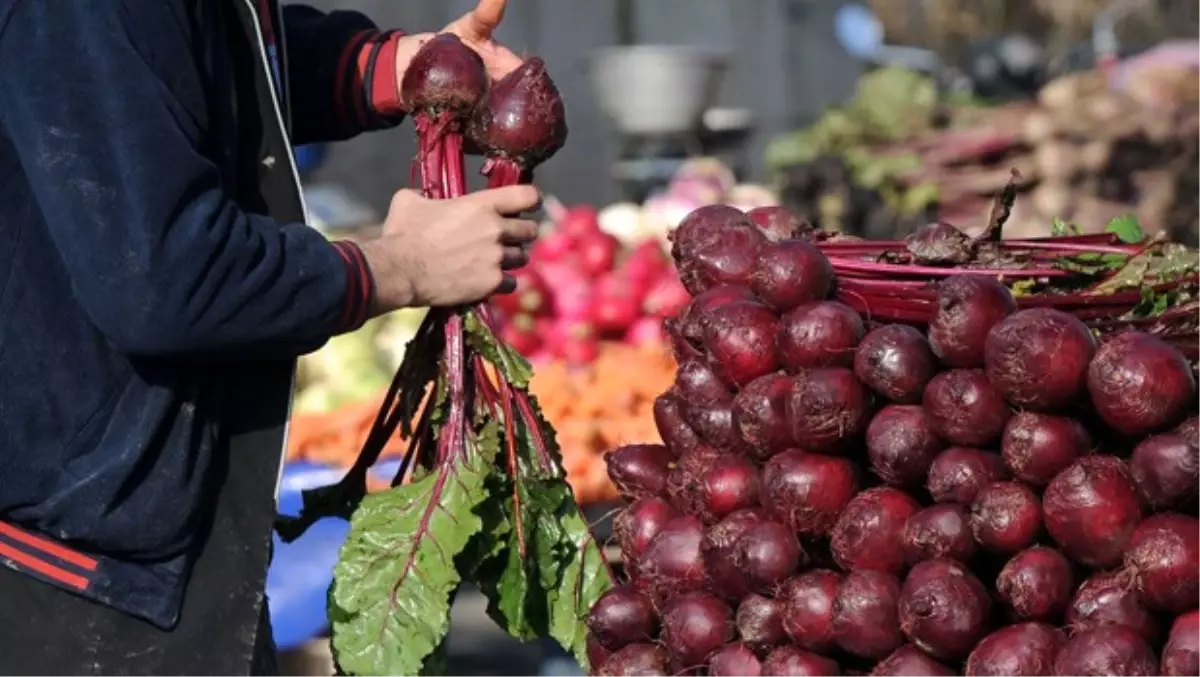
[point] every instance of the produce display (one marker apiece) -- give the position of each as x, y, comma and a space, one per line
987, 468
481, 495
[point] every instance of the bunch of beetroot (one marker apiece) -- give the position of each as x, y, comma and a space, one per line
996, 493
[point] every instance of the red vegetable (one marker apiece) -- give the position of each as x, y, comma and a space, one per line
444, 75
672, 427
622, 616
728, 580
685, 483
1181, 655
597, 655
909, 661
1021, 649
895, 361
698, 386
519, 123
1164, 557
741, 339
720, 256
597, 252
1036, 584
701, 226
760, 623
672, 563
943, 608
695, 624
636, 527
529, 297
1006, 517
864, 614
777, 223
788, 661
823, 334
901, 445
767, 553
1139, 384
1111, 599
639, 470
1036, 447
827, 407
694, 318
964, 408
1165, 469
760, 414
958, 473
1038, 358
636, 659
968, 306
807, 492
734, 660
938, 531
790, 273
1091, 509
1106, 650
807, 608
869, 533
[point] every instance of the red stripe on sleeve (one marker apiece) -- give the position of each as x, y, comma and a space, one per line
384, 93
342, 93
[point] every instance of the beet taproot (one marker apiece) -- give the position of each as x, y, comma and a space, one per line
790, 661
828, 407
1005, 517
721, 256
1036, 584
791, 273
1140, 384
673, 564
865, 621
1038, 358
760, 414
636, 526
941, 530
734, 660
730, 483
521, 117
1106, 650
1181, 655
741, 339
759, 623
1111, 599
901, 445
717, 548
1166, 470
445, 75
943, 608
807, 608
895, 361
779, 223
964, 409
909, 661
695, 315
806, 491
700, 225
636, 660
1024, 649
694, 625
823, 334
622, 616
1091, 510
958, 473
1163, 555
672, 425
1036, 447
869, 534
639, 470
767, 552
968, 306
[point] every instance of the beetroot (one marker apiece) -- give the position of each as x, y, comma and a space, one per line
778, 223
622, 616
968, 306
728, 580
760, 623
821, 334
964, 408
1021, 649
686, 480
597, 655
896, 362
695, 316
672, 427
864, 614
729, 484
734, 660
789, 661
1165, 469
701, 225
767, 553
901, 445
1110, 599
698, 386
760, 414
639, 469
943, 608
721, 256
827, 407
807, 492
673, 563
958, 473
1005, 517
1106, 650
714, 424
1036, 447
1038, 358
807, 608
1036, 584
1189, 430
938, 531
521, 118
1181, 655
1139, 384
636, 659
1091, 509
695, 624
1164, 557
444, 75
636, 526
869, 534
740, 337
790, 273
909, 661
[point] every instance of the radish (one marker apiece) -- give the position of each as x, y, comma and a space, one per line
788, 661
1110, 599
807, 608
645, 265
529, 297
1139, 384
895, 361
695, 624
622, 616
790, 273
615, 306
521, 334
864, 614
1163, 555
1038, 358
639, 470
636, 659
553, 246
901, 445
1021, 649
665, 297
964, 408
940, 530
1091, 509
759, 623
646, 331
821, 334
828, 407
869, 534
958, 473
1005, 517
1181, 655
597, 253
1165, 469
579, 221
734, 660
968, 306
1106, 650
806, 491
760, 414
740, 337
909, 661
943, 608
1036, 447
1036, 584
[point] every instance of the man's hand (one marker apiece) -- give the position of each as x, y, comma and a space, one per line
449, 252
474, 28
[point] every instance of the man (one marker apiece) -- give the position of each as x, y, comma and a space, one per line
156, 285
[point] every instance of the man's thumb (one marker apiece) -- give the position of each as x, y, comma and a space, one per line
479, 24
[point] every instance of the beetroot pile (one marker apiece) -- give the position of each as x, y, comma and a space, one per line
988, 489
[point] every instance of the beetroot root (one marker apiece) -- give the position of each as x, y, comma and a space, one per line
1181, 655
896, 362
823, 334
1164, 557
1036, 447
807, 608
869, 534
1106, 650
1038, 358
807, 492
672, 563
901, 445
909, 661
828, 407
1036, 584
1006, 517
790, 273
636, 659
622, 616
865, 623
734, 660
695, 624
787, 661
958, 473
1140, 384
941, 530
741, 339
964, 408
1091, 510
639, 470
1165, 469
968, 306
1021, 649
943, 608
1111, 599
759, 623
760, 414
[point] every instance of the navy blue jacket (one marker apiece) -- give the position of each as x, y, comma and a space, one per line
145, 268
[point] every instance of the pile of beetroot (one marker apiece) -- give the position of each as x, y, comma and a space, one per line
987, 489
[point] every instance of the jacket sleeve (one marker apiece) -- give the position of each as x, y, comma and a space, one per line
341, 74
104, 107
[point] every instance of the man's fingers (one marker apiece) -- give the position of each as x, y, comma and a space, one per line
508, 285
508, 200
499, 60
518, 232
478, 24
514, 257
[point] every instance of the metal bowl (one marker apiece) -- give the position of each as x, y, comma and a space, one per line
657, 89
